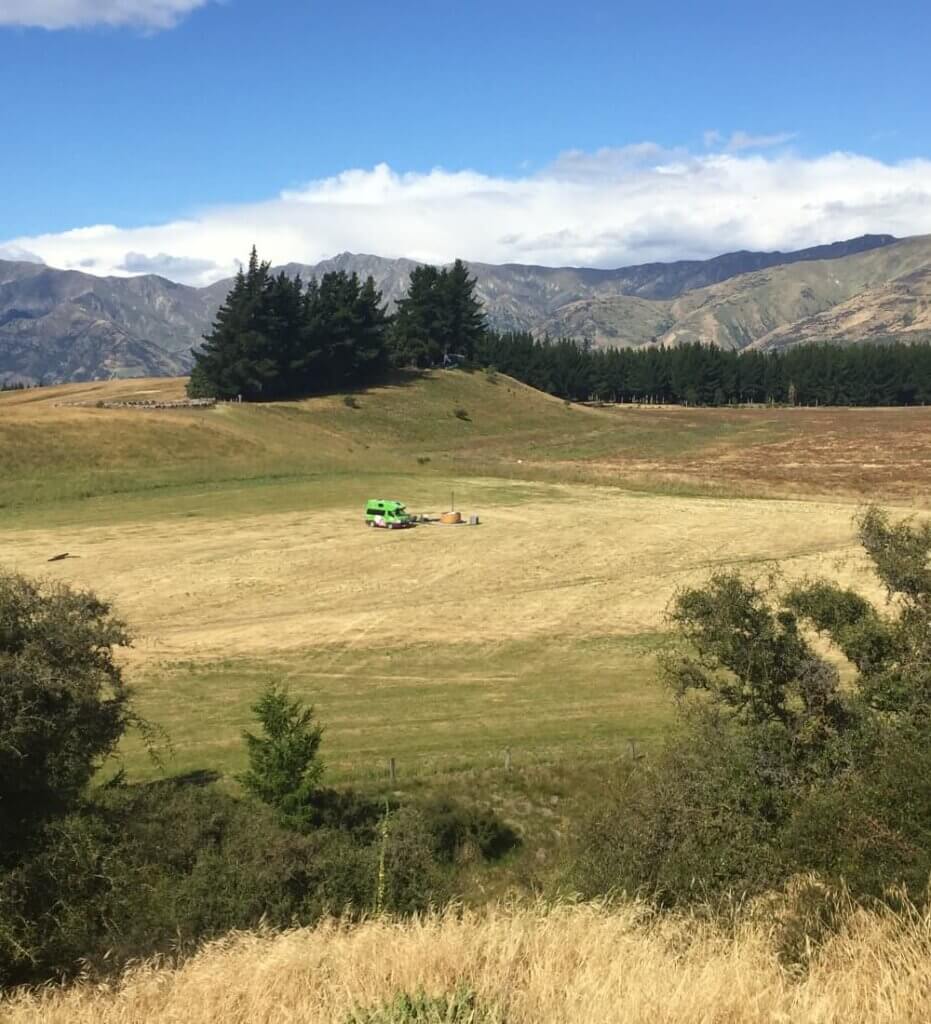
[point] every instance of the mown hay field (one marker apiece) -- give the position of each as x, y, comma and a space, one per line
232, 542
523, 966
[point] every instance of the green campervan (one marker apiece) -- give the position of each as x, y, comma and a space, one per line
390, 514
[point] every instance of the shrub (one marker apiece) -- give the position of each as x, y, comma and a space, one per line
145, 871
776, 769
460, 1007
869, 828
161, 868
697, 822
63, 703
461, 414
350, 401
460, 833
346, 811
412, 880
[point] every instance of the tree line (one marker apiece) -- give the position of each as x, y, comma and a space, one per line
275, 337
890, 373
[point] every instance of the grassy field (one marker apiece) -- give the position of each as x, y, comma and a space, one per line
231, 540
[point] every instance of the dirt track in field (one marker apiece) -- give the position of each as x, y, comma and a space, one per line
580, 561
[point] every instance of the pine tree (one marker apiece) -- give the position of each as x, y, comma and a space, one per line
284, 769
238, 356
272, 338
371, 352
414, 333
439, 317
283, 309
209, 376
463, 316
334, 324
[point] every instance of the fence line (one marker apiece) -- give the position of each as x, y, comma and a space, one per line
180, 403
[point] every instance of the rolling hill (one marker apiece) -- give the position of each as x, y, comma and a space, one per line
58, 326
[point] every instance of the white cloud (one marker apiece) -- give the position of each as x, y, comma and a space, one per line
713, 139
172, 267
18, 254
744, 140
58, 14
609, 208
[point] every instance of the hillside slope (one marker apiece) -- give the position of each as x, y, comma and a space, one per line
519, 297
901, 308
746, 310
55, 444
55, 455
866, 295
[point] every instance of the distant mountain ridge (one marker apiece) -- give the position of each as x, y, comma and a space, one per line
65, 325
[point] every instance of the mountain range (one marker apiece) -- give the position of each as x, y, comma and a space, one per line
58, 325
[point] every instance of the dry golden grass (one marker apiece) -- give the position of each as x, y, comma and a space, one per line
430, 644
567, 561
573, 965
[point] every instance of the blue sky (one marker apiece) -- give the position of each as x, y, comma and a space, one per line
149, 113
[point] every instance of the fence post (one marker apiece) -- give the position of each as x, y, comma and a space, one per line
507, 759
392, 769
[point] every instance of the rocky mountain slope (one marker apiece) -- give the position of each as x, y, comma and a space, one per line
900, 308
64, 325
885, 289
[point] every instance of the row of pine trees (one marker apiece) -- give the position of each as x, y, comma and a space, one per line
882, 373
276, 337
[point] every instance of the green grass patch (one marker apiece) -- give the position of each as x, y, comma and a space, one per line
436, 709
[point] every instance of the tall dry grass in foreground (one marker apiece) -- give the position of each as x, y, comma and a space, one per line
524, 966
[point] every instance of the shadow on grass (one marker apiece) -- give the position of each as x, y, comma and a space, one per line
394, 378
199, 778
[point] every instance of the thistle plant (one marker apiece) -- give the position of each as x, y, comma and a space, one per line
380, 886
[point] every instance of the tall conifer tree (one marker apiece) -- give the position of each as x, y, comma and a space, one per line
464, 317
237, 355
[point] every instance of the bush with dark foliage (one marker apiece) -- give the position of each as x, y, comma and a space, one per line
776, 769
